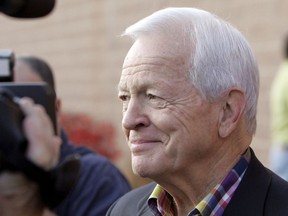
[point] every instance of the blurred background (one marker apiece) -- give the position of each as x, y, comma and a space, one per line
80, 40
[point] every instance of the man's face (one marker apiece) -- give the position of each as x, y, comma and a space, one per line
23, 73
167, 124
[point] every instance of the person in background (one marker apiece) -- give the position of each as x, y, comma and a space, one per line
279, 118
189, 88
100, 182
18, 194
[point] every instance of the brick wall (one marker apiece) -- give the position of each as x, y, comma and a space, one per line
80, 40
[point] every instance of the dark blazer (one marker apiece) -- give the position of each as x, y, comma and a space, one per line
260, 193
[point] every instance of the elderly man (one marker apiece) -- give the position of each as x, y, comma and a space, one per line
189, 89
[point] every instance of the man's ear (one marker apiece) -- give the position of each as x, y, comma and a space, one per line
58, 114
231, 112
58, 105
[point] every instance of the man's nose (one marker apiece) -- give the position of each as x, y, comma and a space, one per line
135, 115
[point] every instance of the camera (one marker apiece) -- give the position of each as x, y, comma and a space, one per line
55, 184
11, 115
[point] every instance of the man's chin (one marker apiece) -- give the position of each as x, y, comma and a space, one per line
141, 169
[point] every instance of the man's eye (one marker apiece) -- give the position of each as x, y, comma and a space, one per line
123, 97
151, 96
155, 101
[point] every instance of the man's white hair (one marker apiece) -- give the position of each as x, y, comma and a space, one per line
220, 57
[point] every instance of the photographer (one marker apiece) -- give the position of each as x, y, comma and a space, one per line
18, 195
100, 182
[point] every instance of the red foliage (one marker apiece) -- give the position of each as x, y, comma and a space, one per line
83, 130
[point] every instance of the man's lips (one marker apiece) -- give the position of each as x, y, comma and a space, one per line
142, 145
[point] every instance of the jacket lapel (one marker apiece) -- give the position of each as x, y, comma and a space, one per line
143, 208
249, 197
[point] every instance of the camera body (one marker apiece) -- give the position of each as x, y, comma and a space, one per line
55, 184
11, 115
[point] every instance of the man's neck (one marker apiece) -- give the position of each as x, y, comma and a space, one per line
190, 188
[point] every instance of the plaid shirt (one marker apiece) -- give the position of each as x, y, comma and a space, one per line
161, 202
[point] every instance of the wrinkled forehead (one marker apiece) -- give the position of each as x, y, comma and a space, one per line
159, 47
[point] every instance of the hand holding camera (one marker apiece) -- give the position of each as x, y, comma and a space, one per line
12, 115
43, 148
28, 141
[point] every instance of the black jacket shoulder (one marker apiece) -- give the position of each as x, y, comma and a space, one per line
133, 203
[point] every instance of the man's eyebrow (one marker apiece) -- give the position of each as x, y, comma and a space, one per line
120, 87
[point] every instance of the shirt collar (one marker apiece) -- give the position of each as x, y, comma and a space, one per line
161, 202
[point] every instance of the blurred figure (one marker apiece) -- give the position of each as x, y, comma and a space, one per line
189, 88
279, 118
100, 183
18, 194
